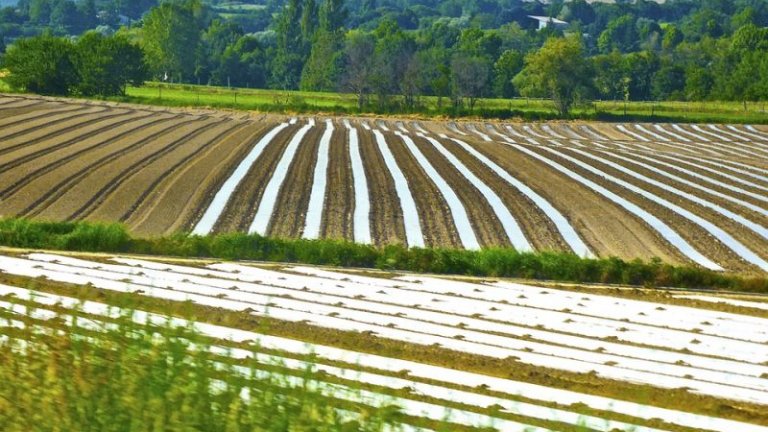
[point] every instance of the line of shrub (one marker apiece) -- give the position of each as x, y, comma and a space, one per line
492, 262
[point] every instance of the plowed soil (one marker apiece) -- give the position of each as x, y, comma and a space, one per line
340, 195
290, 212
242, 207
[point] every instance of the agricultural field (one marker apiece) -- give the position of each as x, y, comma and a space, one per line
684, 193
449, 354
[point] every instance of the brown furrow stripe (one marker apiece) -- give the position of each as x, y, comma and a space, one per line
198, 182
56, 132
340, 195
58, 190
75, 113
434, 215
99, 196
485, 223
607, 228
13, 188
697, 236
182, 162
743, 234
539, 229
241, 208
387, 225
290, 211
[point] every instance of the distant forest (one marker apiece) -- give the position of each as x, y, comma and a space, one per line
392, 52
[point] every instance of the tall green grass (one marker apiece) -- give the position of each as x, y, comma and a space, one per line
127, 378
492, 262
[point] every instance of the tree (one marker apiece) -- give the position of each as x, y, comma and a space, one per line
469, 78
621, 34
323, 67
243, 63
295, 29
359, 48
172, 35
42, 64
107, 64
558, 70
504, 70
65, 15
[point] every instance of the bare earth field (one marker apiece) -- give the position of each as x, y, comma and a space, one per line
694, 194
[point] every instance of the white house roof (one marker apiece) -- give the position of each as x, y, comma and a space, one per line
547, 19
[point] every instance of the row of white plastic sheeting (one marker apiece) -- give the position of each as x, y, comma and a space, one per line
414, 370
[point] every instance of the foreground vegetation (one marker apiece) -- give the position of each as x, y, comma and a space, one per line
493, 262
124, 376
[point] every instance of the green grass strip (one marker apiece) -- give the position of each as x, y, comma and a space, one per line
491, 262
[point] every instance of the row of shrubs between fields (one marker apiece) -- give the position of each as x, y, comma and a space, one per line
491, 262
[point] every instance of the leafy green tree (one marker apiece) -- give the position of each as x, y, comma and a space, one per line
621, 34
40, 11
295, 28
668, 83
509, 64
171, 39
609, 75
42, 64
640, 68
65, 15
323, 67
558, 70
244, 63
107, 64
698, 83
672, 38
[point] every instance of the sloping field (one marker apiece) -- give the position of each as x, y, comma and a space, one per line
694, 194
451, 354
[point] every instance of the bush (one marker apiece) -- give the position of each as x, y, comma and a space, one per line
493, 262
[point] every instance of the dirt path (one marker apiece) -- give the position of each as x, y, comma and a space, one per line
340, 195
241, 209
387, 226
435, 216
189, 192
291, 209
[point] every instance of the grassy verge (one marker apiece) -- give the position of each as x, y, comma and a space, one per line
278, 101
529, 109
125, 377
494, 262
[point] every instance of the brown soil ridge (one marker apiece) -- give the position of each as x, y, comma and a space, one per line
485, 223
340, 193
242, 206
387, 225
126, 174
23, 153
738, 231
699, 238
47, 160
289, 214
540, 231
190, 192
68, 197
436, 220
49, 124
127, 192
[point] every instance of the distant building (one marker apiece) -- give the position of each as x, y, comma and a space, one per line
545, 22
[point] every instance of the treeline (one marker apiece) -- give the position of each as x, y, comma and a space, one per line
679, 50
95, 65
493, 262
